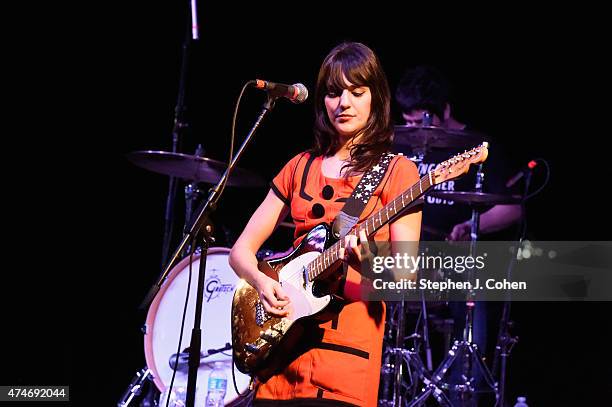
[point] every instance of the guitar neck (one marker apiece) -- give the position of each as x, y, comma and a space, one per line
374, 222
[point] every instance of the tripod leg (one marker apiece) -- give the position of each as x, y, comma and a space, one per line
486, 373
135, 387
443, 368
427, 391
442, 398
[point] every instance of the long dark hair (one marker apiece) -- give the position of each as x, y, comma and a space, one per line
361, 67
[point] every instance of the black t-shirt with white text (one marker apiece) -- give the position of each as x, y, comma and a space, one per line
441, 215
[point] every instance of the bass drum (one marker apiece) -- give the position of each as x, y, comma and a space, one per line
163, 325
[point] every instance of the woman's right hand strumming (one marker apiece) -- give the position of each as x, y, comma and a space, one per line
272, 296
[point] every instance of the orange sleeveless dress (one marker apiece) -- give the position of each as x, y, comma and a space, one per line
338, 361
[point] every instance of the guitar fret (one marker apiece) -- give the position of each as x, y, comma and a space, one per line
420, 186
411, 197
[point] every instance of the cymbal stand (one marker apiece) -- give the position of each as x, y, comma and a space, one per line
393, 373
199, 226
180, 123
192, 193
465, 349
418, 153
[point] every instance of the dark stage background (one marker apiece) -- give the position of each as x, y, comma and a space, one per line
530, 79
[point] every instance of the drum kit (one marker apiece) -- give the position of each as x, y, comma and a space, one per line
403, 373
407, 380
162, 330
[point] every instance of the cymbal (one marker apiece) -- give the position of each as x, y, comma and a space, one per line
193, 168
428, 138
476, 198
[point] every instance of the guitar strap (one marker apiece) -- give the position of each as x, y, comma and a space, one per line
356, 203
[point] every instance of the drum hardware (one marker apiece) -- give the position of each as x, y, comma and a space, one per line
476, 198
194, 168
163, 326
465, 350
135, 387
183, 357
393, 373
198, 229
421, 140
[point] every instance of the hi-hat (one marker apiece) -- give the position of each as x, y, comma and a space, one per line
193, 168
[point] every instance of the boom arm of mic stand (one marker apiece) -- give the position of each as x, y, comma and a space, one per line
213, 197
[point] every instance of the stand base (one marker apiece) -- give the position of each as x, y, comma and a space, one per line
136, 387
435, 386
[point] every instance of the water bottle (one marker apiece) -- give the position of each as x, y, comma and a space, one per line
217, 386
521, 402
177, 397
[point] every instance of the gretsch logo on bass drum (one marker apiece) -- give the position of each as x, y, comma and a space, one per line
215, 287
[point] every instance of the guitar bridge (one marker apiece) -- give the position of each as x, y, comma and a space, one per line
261, 316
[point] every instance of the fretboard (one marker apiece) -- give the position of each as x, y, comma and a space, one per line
378, 219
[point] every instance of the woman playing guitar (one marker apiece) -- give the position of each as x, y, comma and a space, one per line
335, 362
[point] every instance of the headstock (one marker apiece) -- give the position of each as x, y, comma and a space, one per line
460, 163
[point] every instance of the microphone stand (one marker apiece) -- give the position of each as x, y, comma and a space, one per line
202, 228
505, 341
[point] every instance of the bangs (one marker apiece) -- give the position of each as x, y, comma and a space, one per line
351, 69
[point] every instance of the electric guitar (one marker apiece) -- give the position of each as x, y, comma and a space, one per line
260, 342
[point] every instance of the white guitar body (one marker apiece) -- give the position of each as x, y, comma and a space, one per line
292, 279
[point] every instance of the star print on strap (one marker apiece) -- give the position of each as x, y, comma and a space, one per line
355, 204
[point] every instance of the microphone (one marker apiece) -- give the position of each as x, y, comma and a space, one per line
531, 165
297, 93
183, 357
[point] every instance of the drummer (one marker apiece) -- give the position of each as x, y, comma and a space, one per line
424, 96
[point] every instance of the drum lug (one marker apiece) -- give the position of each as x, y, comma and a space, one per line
144, 328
